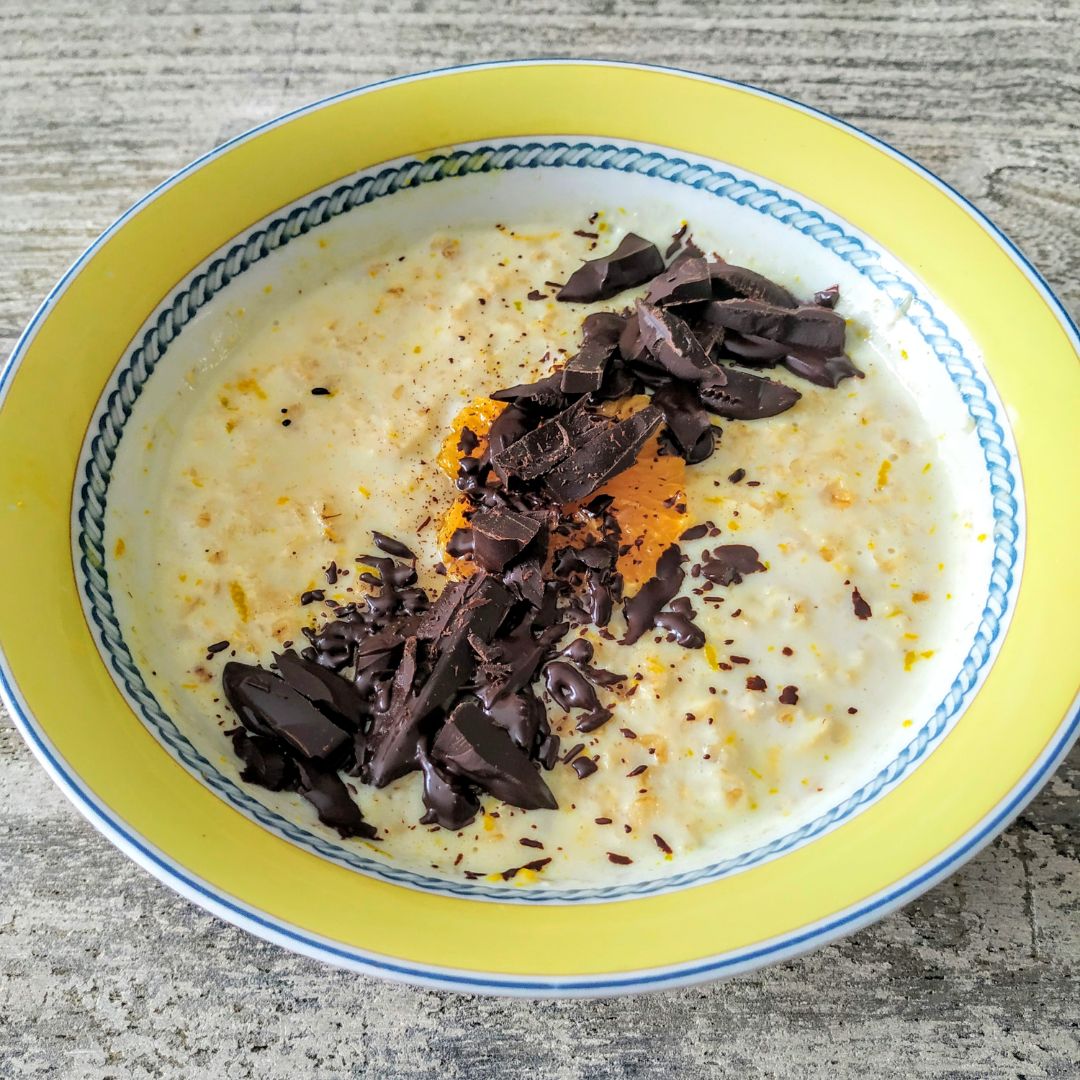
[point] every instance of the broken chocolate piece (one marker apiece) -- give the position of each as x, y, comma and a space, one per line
641, 610
827, 298
729, 563
751, 350
809, 327
684, 282
545, 446
265, 763
632, 263
584, 373
819, 368
544, 395
321, 686
687, 421
470, 745
520, 715
682, 629
747, 397
268, 705
499, 536
672, 344
729, 281
480, 616
326, 791
604, 454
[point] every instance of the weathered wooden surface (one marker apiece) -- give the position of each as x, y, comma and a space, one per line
105, 973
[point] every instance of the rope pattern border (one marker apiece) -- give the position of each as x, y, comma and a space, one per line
204, 286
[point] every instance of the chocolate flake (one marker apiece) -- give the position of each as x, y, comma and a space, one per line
662, 844
862, 608
619, 860
789, 695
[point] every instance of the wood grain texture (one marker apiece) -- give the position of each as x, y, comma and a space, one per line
105, 973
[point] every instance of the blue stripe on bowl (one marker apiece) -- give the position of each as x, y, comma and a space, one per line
204, 286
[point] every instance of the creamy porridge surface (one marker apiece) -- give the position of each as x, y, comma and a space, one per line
256, 485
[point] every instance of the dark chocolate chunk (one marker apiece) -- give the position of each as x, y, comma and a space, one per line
862, 608
632, 347
526, 580
684, 282
519, 714
499, 536
820, 368
326, 791
265, 762
729, 563
619, 860
827, 298
583, 766
392, 743
479, 616
747, 397
509, 426
596, 459
789, 695
311, 596
632, 263
695, 532
449, 801
584, 373
641, 610
218, 646
751, 350
321, 686
392, 546
672, 344
537, 452
756, 682
687, 421
810, 327
729, 281
268, 705
471, 746
661, 843
737, 476
676, 240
